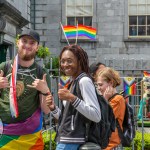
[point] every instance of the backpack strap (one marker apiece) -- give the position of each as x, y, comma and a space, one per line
113, 97
39, 70
78, 92
39, 76
7, 67
117, 122
119, 129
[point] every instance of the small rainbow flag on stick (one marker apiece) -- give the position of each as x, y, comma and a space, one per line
70, 31
65, 81
81, 30
129, 86
146, 73
130, 90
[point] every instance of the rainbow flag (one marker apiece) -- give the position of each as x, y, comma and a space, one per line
24, 135
65, 81
80, 30
129, 89
24, 142
146, 73
70, 31
87, 31
129, 86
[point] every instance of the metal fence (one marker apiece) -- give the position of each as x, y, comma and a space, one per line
134, 100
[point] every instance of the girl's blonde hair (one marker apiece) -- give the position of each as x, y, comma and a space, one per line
110, 75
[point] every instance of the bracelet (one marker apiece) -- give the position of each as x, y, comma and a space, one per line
46, 94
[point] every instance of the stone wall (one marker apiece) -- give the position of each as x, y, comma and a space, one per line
112, 43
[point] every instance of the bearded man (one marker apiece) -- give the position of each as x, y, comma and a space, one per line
22, 96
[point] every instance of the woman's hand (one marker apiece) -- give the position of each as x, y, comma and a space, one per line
109, 92
64, 94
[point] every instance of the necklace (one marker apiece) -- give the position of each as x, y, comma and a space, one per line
26, 72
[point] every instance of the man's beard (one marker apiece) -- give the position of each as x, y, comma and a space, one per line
26, 57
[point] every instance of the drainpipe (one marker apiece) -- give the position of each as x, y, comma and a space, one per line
34, 14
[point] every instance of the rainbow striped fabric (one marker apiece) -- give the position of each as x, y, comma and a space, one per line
129, 86
80, 30
24, 142
146, 73
24, 135
130, 90
12, 95
65, 81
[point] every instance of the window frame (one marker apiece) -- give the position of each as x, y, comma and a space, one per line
64, 22
138, 15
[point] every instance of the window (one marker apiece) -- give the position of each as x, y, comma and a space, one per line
139, 18
80, 11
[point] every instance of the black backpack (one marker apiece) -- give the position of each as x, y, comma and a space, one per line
128, 133
99, 133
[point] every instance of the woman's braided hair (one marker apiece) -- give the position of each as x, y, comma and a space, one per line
80, 54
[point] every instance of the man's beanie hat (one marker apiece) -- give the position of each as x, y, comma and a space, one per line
32, 33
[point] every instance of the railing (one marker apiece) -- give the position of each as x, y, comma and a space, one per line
134, 100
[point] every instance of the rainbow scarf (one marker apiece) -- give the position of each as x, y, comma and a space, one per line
12, 95
80, 30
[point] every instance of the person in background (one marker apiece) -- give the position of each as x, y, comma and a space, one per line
22, 97
107, 81
71, 131
95, 68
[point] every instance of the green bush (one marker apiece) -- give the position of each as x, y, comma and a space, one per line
43, 52
138, 141
47, 137
55, 65
145, 123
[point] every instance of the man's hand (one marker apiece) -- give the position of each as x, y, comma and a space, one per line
3, 81
50, 102
40, 85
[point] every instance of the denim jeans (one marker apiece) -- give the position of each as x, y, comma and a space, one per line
68, 146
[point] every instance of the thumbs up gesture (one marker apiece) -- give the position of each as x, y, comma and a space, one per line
3, 80
40, 85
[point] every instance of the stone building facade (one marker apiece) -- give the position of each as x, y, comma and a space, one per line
14, 15
117, 44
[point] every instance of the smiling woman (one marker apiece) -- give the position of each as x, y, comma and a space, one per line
74, 59
77, 108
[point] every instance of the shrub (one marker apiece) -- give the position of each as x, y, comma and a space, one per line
43, 52
55, 65
138, 141
47, 137
145, 123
